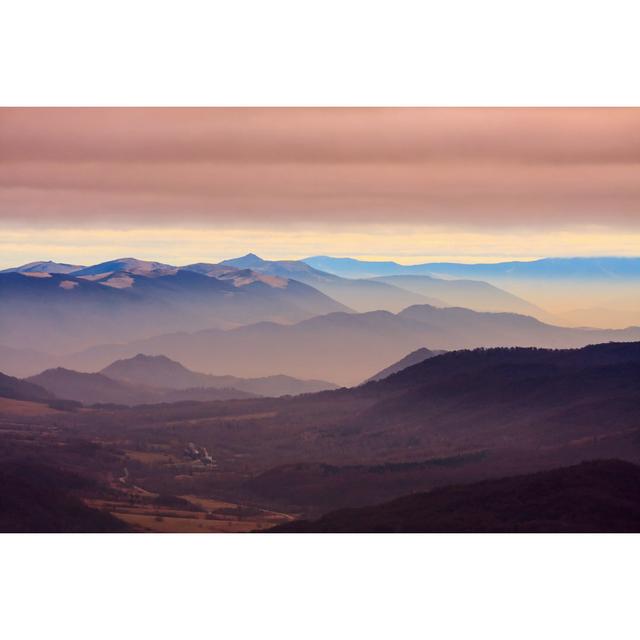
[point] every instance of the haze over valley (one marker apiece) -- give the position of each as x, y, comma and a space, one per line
250, 317
220, 382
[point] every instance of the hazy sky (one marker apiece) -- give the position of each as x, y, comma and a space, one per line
204, 184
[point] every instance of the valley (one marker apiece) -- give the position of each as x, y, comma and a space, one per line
249, 464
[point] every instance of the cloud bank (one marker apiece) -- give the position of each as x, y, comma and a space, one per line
471, 168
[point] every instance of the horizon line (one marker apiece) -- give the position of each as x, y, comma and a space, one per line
442, 260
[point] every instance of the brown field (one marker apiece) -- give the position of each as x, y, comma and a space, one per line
151, 457
209, 504
219, 517
226, 418
24, 408
161, 524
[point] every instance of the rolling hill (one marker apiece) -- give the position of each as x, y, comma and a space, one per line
593, 497
38, 498
492, 397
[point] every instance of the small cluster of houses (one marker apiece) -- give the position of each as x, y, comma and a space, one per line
195, 453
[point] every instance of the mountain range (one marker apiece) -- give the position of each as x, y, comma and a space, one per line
58, 307
359, 294
97, 388
162, 372
130, 299
394, 293
584, 291
344, 348
471, 294
249, 317
157, 379
600, 268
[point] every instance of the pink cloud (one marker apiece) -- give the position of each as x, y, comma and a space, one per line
467, 166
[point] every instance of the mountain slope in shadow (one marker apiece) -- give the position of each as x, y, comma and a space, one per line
17, 389
600, 496
38, 498
415, 357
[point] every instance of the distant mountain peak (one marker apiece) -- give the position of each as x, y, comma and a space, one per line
127, 265
163, 372
246, 262
146, 358
44, 266
150, 362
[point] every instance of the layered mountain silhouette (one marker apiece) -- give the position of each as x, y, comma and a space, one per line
97, 388
369, 294
157, 379
17, 389
254, 318
345, 347
605, 268
129, 299
598, 497
586, 291
457, 417
160, 371
472, 294
361, 295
